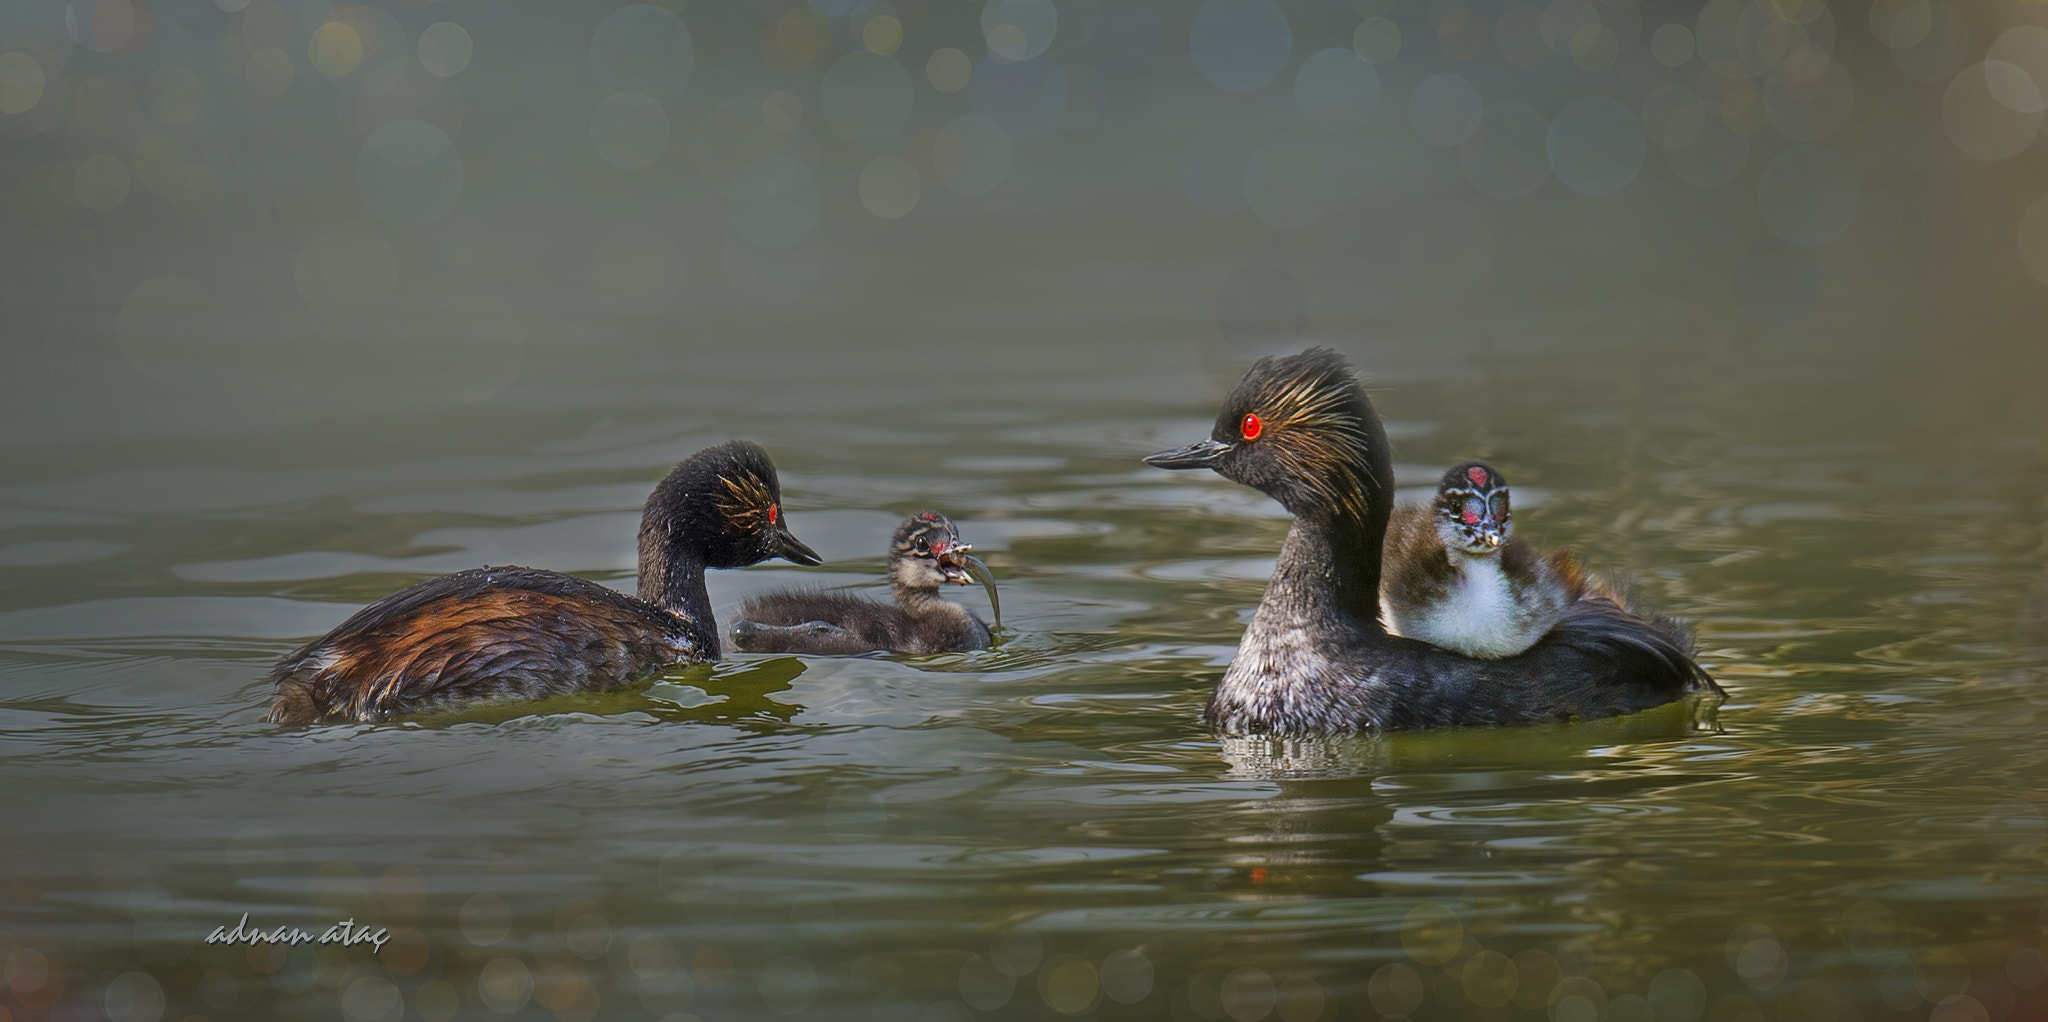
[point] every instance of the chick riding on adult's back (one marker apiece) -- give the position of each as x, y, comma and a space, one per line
1316, 657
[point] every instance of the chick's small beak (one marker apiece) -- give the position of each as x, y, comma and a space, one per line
1200, 454
1491, 538
791, 549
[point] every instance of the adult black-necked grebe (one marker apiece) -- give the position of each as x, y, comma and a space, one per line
1457, 576
925, 554
522, 633
1316, 657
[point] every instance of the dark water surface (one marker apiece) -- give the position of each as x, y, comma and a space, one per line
300, 362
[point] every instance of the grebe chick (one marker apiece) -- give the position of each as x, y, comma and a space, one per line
1458, 577
1316, 657
925, 554
522, 633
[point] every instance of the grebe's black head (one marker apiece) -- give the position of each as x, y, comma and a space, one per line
927, 552
1472, 509
721, 508
1298, 428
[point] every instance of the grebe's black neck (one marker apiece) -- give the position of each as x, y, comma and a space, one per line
1334, 560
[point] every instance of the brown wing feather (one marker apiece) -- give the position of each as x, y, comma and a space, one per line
485, 634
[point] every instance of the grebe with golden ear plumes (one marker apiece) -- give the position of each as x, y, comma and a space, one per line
1316, 657
521, 633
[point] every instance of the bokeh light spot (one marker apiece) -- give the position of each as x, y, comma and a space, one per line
135, 997
21, 83
1431, 933
629, 130
445, 49
889, 187
644, 49
369, 999
1018, 29
1240, 45
1595, 145
1941, 49
1395, 990
1978, 122
1016, 951
865, 97
949, 70
504, 984
335, 49
2025, 50
1336, 89
484, 918
789, 44
408, 173
1488, 979
1127, 976
1677, 995
1067, 984
1377, 40
1671, 45
882, 35
1900, 24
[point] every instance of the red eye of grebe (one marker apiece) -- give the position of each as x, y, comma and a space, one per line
774, 512
1251, 427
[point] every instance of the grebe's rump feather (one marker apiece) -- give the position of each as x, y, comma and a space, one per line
497, 633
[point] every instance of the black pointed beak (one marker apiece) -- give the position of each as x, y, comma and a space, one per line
792, 549
1200, 454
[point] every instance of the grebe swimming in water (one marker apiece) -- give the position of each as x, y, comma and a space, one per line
1457, 576
926, 553
1316, 657
522, 633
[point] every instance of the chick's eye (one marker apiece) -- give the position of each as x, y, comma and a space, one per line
1251, 427
924, 546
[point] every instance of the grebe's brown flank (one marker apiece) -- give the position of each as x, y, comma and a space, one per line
522, 633
925, 553
1316, 657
